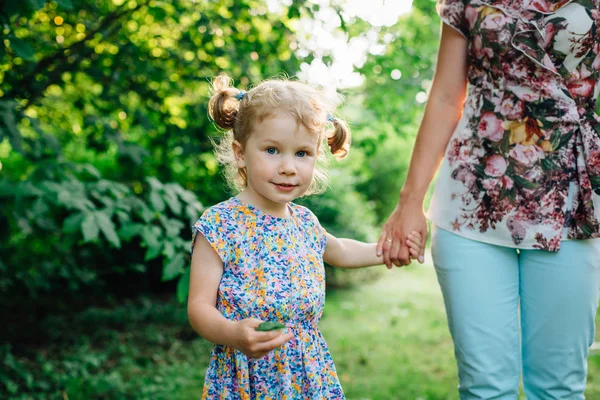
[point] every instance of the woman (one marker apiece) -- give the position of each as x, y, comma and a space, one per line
516, 207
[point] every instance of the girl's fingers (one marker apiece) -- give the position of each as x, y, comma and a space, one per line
415, 249
278, 341
415, 234
413, 245
422, 252
264, 337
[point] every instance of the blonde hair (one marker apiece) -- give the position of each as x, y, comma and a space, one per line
238, 111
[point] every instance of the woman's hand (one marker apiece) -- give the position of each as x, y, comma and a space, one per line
406, 218
254, 343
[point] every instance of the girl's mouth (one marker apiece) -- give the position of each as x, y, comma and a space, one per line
286, 187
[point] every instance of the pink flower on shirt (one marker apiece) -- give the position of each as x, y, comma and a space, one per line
491, 127
527, 155
496, 166
582, 88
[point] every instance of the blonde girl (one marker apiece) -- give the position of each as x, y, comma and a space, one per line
259, 257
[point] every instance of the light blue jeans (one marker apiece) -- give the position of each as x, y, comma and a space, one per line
510, 311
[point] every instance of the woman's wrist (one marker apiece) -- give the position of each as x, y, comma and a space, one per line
408, 197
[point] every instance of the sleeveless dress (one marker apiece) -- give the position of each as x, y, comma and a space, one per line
272, 270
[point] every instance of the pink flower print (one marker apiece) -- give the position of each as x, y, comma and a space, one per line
491, 127
527, 155
594, 163
464, 175
549, 33
596, 63
510, 109
547, 62
471, 15
506, 182
480, 51
524, 93
489, 184
582, 88
516, 70
541, 5
494, 21
584, 73
496, 166
517, 229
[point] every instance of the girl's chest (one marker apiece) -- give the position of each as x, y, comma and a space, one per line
275, 269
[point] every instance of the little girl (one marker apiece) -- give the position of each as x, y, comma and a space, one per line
259, 257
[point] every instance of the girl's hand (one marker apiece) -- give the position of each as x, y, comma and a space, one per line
415, 244
256, 344
406, 217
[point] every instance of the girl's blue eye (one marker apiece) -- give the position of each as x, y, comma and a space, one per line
271, 150
301, 153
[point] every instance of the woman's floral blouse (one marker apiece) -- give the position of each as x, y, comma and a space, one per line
522, 168
272, 270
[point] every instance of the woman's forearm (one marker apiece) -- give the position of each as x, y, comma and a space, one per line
439, 122
442, 113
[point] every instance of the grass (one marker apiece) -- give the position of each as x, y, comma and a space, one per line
389, 340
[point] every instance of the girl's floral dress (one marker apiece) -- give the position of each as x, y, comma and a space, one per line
522, 168
272, 270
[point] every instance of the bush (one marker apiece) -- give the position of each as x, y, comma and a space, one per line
66, 230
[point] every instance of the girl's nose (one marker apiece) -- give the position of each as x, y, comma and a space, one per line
287, 166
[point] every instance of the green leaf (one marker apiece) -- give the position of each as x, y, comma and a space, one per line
108, 229
36, 4
65, 4
157, 201
89, 228
22, 48
72, 223
169, 249
520, 181
269, 326
183, 286
150, 235
172, 200
174, 268
154, 183
153, 251
91, 170
145, 212
130, 230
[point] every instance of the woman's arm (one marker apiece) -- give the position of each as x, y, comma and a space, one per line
348, 253
442, 112
205, 277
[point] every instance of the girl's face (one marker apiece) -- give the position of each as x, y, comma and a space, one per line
279, 158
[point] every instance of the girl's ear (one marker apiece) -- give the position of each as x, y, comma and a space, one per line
238, 152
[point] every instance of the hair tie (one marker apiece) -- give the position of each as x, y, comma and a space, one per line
240, 95
330, 118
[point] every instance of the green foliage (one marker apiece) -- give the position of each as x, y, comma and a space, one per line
135, 349
115, 93
72, 229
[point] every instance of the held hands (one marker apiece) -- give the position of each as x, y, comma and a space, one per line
404, 236
254, 343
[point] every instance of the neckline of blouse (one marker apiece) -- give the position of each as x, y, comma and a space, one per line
264, 214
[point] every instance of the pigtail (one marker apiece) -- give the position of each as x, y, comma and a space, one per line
339, 139
224, 104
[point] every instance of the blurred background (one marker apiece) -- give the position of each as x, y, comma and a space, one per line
106, 162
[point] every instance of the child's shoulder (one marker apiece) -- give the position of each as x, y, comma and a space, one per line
303, 213
224, 211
